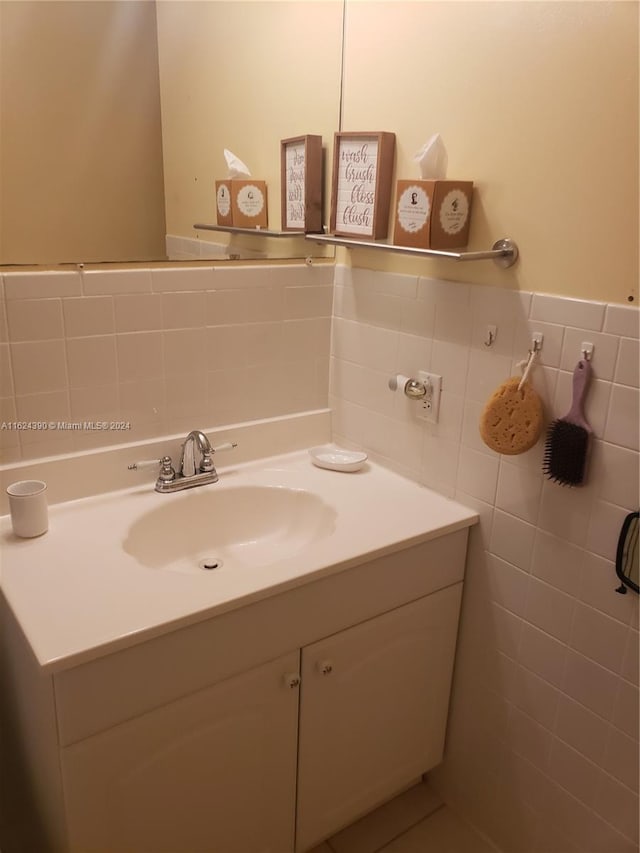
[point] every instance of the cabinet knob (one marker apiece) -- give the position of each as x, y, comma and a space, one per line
292, 679
325, 667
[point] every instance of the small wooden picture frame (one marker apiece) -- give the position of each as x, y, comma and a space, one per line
361, 187
301, 182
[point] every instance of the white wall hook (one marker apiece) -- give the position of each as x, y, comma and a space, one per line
587, 350
536, 346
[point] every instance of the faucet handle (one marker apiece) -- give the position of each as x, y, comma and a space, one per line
207, 456
146, 463
166, 475
228, 445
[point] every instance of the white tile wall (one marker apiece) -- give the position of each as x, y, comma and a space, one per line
543, 737
163, 349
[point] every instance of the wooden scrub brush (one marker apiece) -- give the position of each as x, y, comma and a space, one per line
567, 444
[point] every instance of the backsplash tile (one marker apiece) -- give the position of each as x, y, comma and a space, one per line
225, 307
4, 333
140, 356
6, 372
39, 366
34, 319
41, 285
606, 347
48, 406
628, 367
88, 315
160, 349
622, 419
91, 361
622, 320
100, 282
580, 313
176, 279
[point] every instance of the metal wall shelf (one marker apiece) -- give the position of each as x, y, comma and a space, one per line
504, 252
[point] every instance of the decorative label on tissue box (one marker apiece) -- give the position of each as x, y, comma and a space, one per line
223, 203
432, 214
249, 203
301, 181
361, 189
414, 202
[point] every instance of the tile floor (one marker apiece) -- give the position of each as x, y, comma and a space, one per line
416, 821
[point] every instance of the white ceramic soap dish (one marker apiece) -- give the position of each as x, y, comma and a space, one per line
337, 459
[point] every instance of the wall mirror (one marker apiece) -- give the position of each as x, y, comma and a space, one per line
114, 116
628, 555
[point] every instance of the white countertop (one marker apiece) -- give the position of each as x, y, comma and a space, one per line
77, 593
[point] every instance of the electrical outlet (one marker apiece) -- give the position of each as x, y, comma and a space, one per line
429, 405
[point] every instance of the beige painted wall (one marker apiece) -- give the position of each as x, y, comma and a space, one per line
242, 76
80, 140
537, 102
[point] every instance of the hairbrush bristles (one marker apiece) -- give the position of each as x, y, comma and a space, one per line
565, 453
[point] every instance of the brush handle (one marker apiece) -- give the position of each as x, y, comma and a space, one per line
581, 377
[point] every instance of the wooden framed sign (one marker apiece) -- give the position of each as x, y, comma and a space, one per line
301, 180
361, 188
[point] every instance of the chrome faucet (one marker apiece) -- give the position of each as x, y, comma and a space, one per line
190, 472
187, 466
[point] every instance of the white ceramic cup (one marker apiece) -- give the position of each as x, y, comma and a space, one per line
28, 508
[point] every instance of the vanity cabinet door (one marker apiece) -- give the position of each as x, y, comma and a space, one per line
213, 772
373, 711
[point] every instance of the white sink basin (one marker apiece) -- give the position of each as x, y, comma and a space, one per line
239, 526
116, 569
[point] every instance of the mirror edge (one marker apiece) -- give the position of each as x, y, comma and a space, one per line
626, 581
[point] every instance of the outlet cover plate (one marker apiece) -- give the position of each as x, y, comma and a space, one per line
429, 405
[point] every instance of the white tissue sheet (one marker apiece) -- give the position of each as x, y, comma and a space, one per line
236, 167
432, 159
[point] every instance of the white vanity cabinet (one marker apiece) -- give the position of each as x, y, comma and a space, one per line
215, 771
263, 729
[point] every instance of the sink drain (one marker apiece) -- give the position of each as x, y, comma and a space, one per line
210, 563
